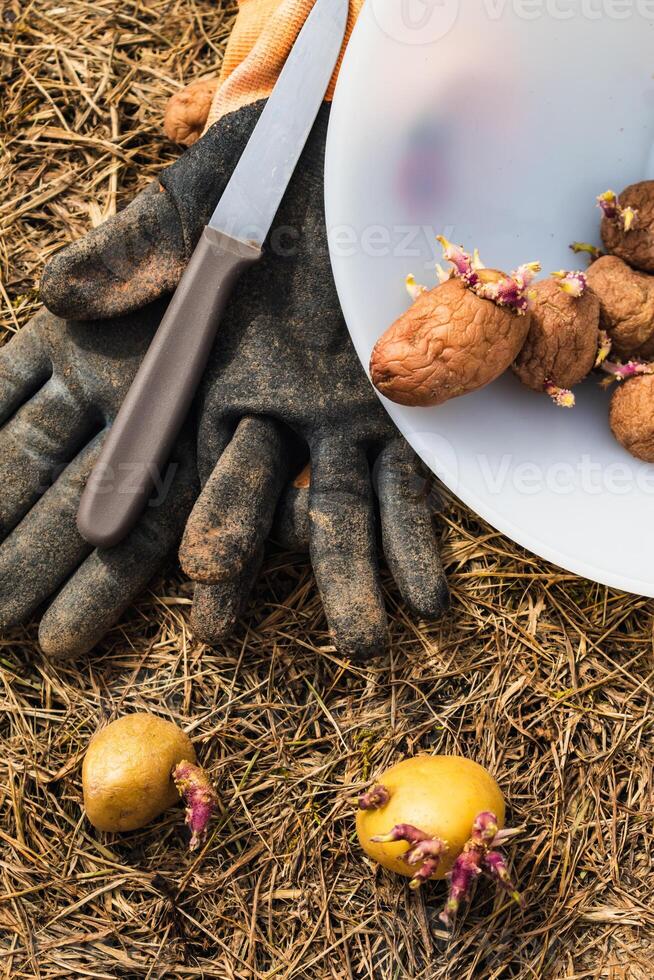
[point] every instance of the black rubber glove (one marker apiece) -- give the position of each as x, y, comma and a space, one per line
61, 385
283, 363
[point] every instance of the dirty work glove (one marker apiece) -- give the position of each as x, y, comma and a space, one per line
283, 369
61, 385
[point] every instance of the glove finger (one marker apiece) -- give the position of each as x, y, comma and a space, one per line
36, 444
408, 537
234, 512
291, 524
94, 599
343, 548
140, 253
24, 367
217, 607
46, 547
126, 262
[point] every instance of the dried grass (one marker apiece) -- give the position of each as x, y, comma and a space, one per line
545, 678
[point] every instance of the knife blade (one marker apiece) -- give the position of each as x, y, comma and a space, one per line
141, 439
252, 197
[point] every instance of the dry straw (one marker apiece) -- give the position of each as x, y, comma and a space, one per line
543, 677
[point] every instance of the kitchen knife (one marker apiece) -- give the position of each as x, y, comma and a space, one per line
140, 441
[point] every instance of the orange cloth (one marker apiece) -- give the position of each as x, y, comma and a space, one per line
263, 35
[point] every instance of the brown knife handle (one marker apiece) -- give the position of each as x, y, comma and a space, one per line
141, 439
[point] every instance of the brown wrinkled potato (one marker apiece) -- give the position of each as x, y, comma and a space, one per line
631, 416
561, 345
448, 343
626, 305
187, 111
126, 775
635, 246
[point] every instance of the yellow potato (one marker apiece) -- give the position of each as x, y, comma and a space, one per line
441, 795
126, 775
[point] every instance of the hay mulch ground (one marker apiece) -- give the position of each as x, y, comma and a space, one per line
543, 677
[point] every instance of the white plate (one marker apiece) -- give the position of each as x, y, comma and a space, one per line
497, 123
